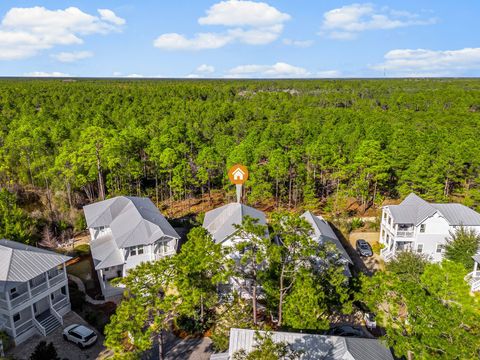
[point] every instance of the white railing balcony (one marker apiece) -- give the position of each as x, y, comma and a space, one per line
159, 256
39, 288
24, 327
20, 299
57, 279
60, 303
404, 233
3, 304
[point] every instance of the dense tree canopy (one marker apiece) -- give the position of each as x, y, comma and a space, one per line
304, 141
429, 314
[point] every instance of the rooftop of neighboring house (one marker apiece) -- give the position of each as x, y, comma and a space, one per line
314, 346
132, 220
324, 232
20, 263
414, 210
220, 222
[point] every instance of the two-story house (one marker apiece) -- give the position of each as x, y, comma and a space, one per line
33, 290
322, 233
126, 231
221, 224
424, 227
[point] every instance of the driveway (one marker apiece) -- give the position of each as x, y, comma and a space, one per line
368, 265
65, 349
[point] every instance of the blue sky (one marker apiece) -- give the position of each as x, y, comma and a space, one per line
235, 38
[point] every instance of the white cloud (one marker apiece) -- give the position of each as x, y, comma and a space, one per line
109, 16
328, 74
278, 70
248, 22
346, 22
205, 69
46, 74
423, 62
298, 43
243, 13
72, 56
202, 41
26, 31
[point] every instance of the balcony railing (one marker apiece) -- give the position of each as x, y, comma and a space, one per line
159, 256
57, 279
20, 299
60, 303
3, 304
24, 327
404, 233
38, 289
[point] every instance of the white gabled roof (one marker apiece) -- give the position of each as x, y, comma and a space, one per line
220, 221
315, 346
20, 263
414, 210
323, 232
132, 220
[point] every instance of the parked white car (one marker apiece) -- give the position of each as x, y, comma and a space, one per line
80, 335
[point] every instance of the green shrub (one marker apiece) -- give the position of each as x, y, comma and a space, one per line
83, 249
356, 223
80, 223
6, 340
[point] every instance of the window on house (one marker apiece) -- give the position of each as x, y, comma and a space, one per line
16, 317
419, 248
440, 248
422, 228
384, 215
13, 290
140, 249
133, 251
389, 220
64, 290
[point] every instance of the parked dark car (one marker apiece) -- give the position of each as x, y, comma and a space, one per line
346, 330
364, 248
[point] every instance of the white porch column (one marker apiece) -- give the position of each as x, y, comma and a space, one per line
475, 266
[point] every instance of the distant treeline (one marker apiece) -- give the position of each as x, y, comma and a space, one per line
305, 142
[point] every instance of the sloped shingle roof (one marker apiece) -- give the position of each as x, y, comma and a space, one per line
220, 221
20, 263
315, 346
413, 210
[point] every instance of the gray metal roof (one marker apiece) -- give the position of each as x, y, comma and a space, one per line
132, 220
220, 221
105, 252
315, 346
323, 232
20, 263
413, 210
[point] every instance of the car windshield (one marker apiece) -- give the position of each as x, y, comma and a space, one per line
88, 337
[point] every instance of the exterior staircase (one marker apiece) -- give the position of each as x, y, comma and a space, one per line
49, 322
473, 279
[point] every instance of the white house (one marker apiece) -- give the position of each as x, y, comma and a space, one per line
310, 346
322, 232
220, 222
420, 226
33, 290
126, 231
